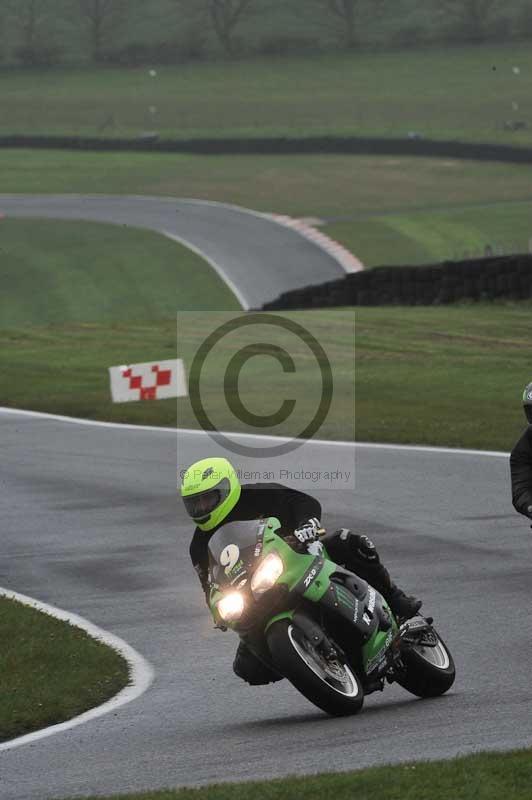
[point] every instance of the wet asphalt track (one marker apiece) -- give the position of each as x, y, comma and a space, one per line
90, 523
258, 257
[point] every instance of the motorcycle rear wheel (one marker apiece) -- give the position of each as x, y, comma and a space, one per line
330, 684
429, 671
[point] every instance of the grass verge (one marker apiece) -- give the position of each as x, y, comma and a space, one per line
463, 93
335, 187
92, 272
448, 376
422, 237
482, 777
386, 210
50, 671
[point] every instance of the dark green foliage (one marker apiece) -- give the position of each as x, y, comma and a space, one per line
92, 30
504, 278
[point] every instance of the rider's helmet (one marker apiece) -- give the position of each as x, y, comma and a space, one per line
210, 490
527, 402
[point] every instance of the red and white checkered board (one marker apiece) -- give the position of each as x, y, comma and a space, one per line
156, 380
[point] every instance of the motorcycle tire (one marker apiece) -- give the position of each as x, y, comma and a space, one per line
332, 685
429, 671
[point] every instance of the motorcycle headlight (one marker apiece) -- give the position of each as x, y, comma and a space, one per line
231, 606
267, 574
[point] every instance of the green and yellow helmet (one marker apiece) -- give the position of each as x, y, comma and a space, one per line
210, 490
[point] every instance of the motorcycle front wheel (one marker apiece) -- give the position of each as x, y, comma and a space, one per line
330, 684
429, 668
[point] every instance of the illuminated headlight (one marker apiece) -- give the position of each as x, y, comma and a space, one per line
231, 606
267, 574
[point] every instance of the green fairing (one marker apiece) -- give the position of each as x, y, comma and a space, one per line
378, 643
316, 590
339, 645
321, 582
297, 566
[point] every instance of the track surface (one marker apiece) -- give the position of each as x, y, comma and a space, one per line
260, 257
90, 523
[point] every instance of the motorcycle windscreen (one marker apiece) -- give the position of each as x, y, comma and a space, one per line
232, 549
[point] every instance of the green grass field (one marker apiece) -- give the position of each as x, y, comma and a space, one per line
386, 210
424, 237
62, 368
458, 93
50, 671
330, 186
457, 373
89, 272
483, 777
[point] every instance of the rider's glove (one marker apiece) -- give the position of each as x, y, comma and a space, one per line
308, 531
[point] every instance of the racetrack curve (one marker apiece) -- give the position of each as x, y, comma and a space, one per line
258, 258
91, 523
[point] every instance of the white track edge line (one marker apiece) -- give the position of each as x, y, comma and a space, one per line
141, 671
416, 448
214, 264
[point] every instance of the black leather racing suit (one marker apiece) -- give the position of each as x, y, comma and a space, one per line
521, 473
292, 508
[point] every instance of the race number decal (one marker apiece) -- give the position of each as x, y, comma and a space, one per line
229, 557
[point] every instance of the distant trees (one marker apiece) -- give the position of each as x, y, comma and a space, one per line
225, 15
136, 32
29, 15
473, 15
344, 10
28, 18
102, 16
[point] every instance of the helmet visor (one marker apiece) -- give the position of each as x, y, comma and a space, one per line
199, 506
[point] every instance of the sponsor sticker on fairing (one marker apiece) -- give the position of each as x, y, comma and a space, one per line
310, 577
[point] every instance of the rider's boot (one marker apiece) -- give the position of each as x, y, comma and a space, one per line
402, 605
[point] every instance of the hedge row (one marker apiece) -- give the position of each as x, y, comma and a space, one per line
506, 277
282, 145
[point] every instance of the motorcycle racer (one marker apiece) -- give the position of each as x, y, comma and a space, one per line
521, 462
212, 495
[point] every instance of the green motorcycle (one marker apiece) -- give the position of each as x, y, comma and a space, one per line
311, 621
